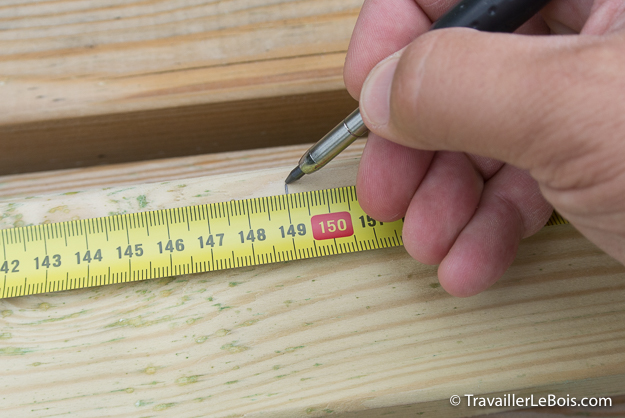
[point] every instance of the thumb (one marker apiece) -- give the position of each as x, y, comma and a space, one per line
511, 97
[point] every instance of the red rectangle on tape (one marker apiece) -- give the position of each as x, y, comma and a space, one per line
332, 225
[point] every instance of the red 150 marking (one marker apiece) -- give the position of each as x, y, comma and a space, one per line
332, 225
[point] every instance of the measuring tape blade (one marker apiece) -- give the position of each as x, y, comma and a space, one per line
193, 239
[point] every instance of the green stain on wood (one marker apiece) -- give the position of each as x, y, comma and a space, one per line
59, 209
165, 281
150, 370
115, 339
206, 193
152, 383
247, 323
138, 322
119, 191
234, 348
291, 349
187, 380
143, 202
164, 406
18, 223
5, 336
126, 390
285, 375
60, 318
14, 351
435, 285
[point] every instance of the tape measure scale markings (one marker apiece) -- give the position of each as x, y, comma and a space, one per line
193, 239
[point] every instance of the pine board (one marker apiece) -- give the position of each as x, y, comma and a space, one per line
364, 335
83, 83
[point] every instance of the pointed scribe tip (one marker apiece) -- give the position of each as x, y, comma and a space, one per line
296, 174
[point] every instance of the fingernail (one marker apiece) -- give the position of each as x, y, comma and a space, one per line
375, 98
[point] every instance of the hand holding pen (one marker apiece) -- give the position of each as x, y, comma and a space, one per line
483, 131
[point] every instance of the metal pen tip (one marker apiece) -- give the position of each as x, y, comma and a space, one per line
296, 174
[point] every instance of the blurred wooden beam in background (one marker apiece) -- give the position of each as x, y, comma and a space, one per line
84, 83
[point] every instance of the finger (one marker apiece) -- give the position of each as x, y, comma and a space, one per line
487, 167
605, 16
443, 204
510, 209
497, 95
388, 177
383, 27
566, 16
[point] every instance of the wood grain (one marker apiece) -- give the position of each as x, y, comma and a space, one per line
165, 169
83, 83
358, 335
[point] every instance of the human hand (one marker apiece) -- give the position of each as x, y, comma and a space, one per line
457, 104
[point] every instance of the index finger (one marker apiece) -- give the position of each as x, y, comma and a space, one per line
383, 27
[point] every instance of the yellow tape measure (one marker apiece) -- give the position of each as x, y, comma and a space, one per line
193, 239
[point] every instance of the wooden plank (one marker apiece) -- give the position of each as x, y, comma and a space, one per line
165, 169
84, 84
364, 335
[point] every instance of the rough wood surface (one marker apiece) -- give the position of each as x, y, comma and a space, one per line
359, 335
84, 83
